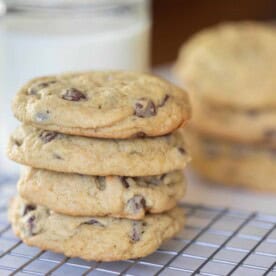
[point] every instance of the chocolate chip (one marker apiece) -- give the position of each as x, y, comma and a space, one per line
252, 112
37, 87
31, 225
57, 156
42, 116
182, 150
17, 142
165, 99
47, 136
155, 180
136, 152
140, 134
73, 94
270, 134
144, 108
93, 222
137, 231
124, 181
28, 208
136, 204
100, 183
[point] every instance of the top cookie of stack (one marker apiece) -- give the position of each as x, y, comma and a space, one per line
103, 104
114, 195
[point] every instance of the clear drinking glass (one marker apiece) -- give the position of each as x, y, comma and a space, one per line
52, 36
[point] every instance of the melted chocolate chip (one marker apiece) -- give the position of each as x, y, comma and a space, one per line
137, 231
36, 88
57, 156
93, 222
47, 136
31, 225
182, 150
144, 108
164, 101
155, 181
124, 181
140, 134
100, 183
73, 94
28, 208
136, 204
17, 142
252, 112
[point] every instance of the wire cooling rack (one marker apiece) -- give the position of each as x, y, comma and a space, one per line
215, 241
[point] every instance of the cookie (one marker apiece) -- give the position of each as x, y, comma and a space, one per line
117, 196
92, 238
232, 64
233, 163
101, 157
109, 104
241, 126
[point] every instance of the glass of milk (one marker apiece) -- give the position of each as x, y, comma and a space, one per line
53, 36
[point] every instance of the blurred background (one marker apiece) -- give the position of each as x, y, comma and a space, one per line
176, 20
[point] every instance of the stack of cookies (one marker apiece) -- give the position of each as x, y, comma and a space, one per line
230, 71
104, 156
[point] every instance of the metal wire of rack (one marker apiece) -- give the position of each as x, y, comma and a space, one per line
215, 241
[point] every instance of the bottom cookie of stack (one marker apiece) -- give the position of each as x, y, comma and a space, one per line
92, 238
233, 163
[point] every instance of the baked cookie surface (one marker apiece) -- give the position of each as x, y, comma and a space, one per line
242, 126
233, 163
101, 157
111, 104
92, 238
116, 196
232, 64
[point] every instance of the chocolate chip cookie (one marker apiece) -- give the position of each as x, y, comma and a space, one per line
230, 71
100, 157
111, 104
231, 163
116, 196
92, 238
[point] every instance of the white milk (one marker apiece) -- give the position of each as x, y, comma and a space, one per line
34, 46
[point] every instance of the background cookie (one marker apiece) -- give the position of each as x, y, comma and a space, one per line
232, 163
100, 239
92, 156
119, 196
231, 65
103, 104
